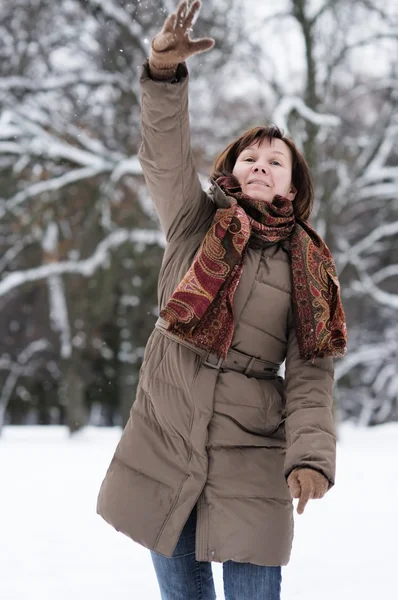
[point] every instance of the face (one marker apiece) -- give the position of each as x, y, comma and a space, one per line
265, 171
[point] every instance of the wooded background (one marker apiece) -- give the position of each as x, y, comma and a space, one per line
80, 242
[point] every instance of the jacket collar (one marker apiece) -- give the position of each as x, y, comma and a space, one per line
218, 196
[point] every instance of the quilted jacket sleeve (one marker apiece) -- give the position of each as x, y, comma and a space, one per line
166, 157
310, 428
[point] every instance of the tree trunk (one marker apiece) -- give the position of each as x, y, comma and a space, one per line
72, 391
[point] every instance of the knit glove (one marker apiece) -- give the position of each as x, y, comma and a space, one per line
172, 45
306, 484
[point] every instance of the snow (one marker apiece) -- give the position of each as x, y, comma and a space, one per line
53, 545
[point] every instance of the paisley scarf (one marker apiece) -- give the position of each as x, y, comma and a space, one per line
201, 308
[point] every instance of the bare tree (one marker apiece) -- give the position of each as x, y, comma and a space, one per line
343, 111
75, 216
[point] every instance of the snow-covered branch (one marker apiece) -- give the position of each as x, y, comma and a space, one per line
367, 354
381, 190
92, 144
86, 77
43, 143
385, 230
367, 286
376, 172
120, 16
16, 370
51, 185
85, 267
16, 249
290, 103
386, 273
372, 160
128, 166
95, 159
387, 35
59, 317
353, 95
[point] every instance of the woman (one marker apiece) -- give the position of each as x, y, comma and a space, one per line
217, 443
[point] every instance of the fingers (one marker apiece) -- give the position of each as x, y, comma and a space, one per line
294, 485
195, 7
201, 45
170, 23
318, 493
307, 484
305, 495
181, 18
180, 13
299, 489
174, 38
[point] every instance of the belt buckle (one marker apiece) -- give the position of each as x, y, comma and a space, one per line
217, 365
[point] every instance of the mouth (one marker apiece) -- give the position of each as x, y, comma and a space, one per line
258, 182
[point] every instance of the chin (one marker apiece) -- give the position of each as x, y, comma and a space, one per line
256, 195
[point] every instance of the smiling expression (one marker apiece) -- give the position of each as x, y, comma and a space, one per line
265, 171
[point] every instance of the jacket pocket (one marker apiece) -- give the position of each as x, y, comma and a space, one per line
248, 405
274, 402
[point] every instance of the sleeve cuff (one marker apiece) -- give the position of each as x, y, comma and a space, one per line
180, 74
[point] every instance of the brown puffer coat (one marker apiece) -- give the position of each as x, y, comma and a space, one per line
224, 439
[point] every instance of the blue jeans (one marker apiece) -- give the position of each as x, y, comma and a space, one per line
182, 577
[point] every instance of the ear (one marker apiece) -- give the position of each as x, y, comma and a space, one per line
292, 193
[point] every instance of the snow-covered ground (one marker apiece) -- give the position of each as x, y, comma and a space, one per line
53, 546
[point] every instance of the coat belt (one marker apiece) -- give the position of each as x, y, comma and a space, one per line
235, 360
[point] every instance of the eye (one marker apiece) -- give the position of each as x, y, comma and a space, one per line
276, 162
248, 158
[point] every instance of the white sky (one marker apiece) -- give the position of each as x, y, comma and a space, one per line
283, 41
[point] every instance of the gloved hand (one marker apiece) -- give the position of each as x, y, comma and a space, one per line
172, 45
306, 484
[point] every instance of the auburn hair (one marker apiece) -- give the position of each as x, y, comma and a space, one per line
301, 176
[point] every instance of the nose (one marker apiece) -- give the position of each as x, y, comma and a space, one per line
256, 169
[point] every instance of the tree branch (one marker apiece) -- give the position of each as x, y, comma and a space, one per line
16, 370
60, 82
85, 267
123, 19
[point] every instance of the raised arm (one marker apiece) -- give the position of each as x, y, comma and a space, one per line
165, 153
